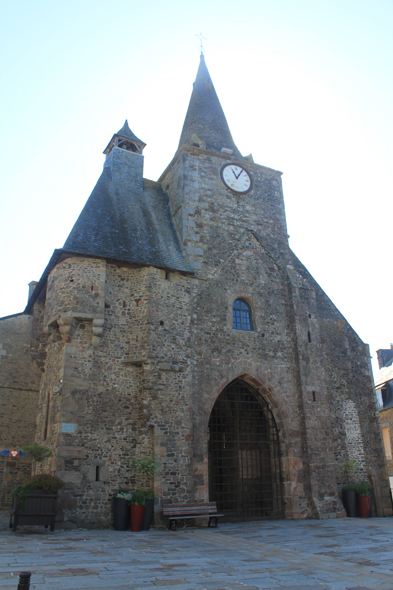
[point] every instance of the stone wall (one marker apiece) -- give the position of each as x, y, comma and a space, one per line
211, 219
124, 397
353, 407
19, 386
264, 357
346, 369
75, 290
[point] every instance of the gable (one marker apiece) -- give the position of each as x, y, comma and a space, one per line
249, 260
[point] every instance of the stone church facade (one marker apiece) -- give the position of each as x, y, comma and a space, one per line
177, 321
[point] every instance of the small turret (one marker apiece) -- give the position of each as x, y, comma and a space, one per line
125, 139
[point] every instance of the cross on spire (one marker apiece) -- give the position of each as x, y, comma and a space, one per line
201, 38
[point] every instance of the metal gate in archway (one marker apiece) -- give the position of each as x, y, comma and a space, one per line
244, 455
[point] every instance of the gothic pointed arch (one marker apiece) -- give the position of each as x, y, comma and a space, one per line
244, 455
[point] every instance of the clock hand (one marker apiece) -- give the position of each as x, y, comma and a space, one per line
236, 175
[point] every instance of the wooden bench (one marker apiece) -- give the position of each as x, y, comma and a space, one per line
177, 512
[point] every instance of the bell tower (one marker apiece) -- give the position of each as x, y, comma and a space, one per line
125, 139
217, 195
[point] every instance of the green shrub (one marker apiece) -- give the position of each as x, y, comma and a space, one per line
147, 466
138, 498
37, 451
348, 469
350, 487
149, 494
44, 481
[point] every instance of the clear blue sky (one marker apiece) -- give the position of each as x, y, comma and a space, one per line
306, 85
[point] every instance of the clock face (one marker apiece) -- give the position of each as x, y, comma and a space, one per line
236, 178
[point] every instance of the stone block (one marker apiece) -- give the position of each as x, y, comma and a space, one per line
70, 477
77, 452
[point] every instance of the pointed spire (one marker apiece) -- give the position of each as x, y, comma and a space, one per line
126, 139
125, 131
205, 118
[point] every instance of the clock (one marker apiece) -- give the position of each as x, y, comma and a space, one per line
236, 178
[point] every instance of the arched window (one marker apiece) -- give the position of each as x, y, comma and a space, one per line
242, 319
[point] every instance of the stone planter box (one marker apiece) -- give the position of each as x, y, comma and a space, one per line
39, 508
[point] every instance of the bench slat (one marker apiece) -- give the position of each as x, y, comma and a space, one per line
177, 512
197, 505
193, 516
191, 510
189, 505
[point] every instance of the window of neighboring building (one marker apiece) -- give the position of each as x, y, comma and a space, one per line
379, 398
386, 442
385, 395
242, 319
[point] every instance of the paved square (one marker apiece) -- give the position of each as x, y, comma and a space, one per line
345, 554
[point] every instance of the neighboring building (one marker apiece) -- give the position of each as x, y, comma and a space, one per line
19, 392
176, 320
384, 392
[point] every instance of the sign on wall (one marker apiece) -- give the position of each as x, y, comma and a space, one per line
14, 453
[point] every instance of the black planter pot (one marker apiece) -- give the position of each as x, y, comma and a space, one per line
121, 514
350, 502
372, 501
147, 517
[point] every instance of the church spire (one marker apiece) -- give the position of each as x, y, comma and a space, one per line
205, 123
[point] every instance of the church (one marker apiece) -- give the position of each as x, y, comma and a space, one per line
176, 321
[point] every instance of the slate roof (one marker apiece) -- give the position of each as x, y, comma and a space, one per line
205, 117
119, 224
383, 376
126, 132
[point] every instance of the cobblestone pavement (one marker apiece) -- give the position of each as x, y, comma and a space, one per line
345, 554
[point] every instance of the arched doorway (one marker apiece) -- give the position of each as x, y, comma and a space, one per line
244, 456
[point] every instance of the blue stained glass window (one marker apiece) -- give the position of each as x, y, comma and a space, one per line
242, 316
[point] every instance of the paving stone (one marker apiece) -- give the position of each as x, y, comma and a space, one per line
235, 557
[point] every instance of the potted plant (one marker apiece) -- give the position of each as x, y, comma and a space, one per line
137, 509
34, 503
347, 471
364, 498
121, 512
147, 466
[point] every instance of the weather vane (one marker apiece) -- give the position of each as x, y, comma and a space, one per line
201, 37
